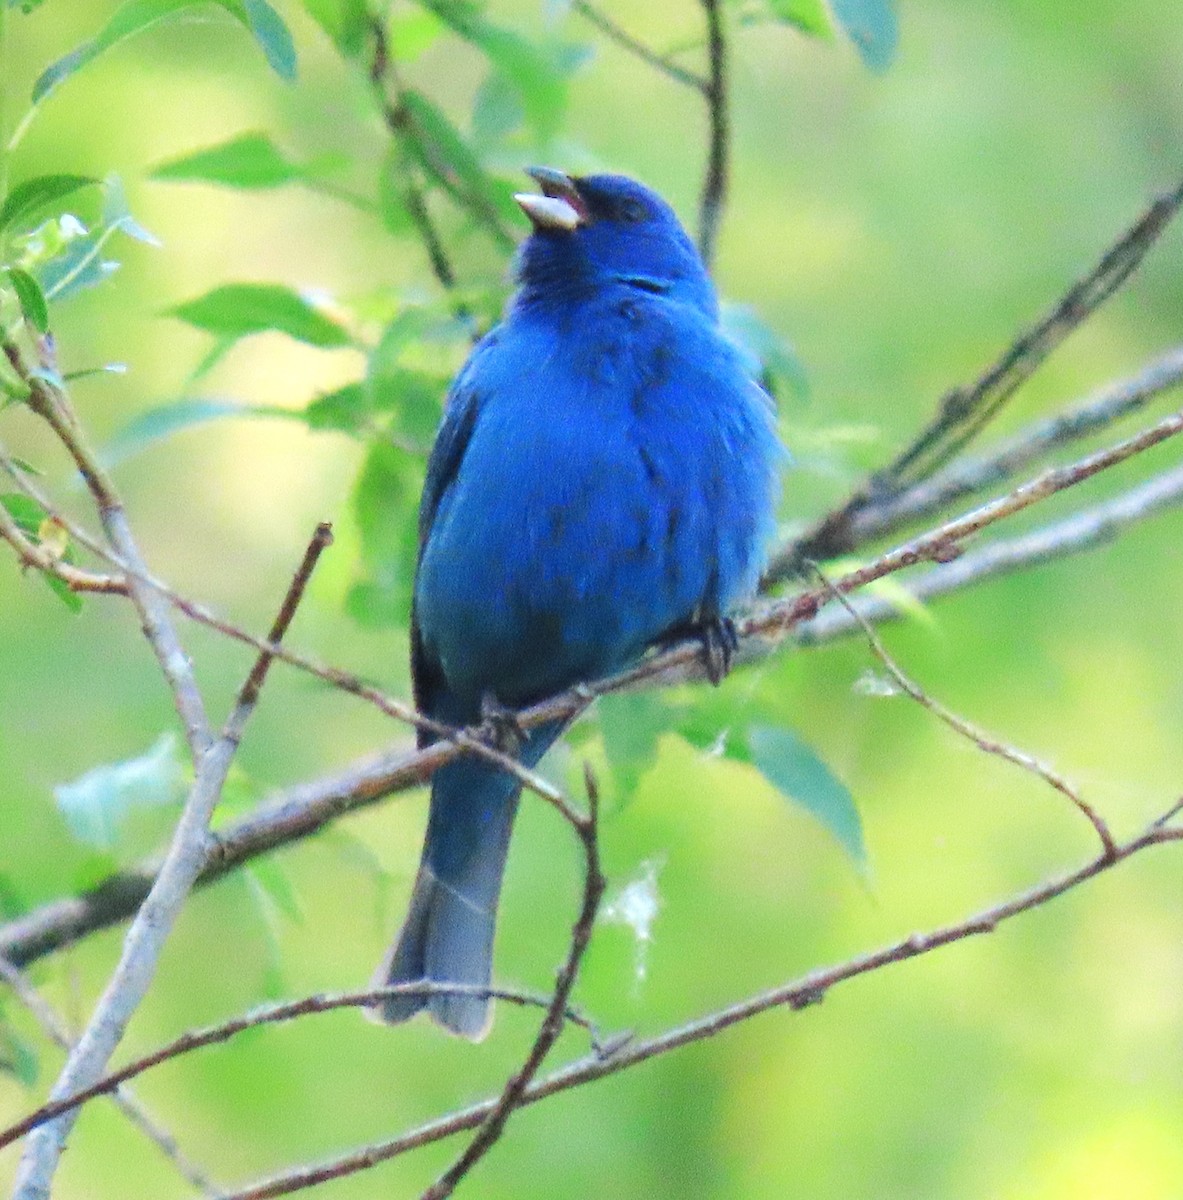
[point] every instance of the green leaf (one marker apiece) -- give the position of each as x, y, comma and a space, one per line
392, 189
236, 310
32, 302
18, 1056
12, 903
273, 879
26, 513
794, 769
385, 507
102, 806
273, 36
444, 153
29, 517
769, 357
165, 420
251, 160
36, 193
496, 112
75, 257
631, 724
534, 71
345, 21
347, 409
134, 16
810, 16
873, 28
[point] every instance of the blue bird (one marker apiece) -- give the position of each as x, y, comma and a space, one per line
605, 477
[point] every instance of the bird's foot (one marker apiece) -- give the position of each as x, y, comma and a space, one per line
500, 725
720, 641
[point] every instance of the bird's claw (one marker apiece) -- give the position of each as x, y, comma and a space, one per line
500, 725
720, 641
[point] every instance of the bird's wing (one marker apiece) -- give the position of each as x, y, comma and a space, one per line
443, 465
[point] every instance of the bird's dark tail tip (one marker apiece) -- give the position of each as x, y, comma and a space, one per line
447, 939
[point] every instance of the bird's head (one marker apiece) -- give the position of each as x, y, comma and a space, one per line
602, 230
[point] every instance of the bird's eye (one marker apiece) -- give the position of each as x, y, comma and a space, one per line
632, 211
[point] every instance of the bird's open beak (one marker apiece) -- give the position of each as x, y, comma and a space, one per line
559, 207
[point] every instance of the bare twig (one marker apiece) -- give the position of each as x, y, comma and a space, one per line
472, 742
799, 994
552, 1024
303, 810
714, 184
1084, 530
969, 476
40, 558
966, 410
270, 1014
55, 1029
984, 741
155, 918
395, 115
625, 40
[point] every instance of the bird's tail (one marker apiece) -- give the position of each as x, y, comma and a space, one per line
448, 934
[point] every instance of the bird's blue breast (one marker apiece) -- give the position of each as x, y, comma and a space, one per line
618, 480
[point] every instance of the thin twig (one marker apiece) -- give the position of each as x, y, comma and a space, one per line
41, 558
799, 994
963, 412
55, 1029
248, 694
625, 40
395, 115
272, 1014
154, 920
714, 185
474, 742
1084, 530
552, 1024
969, 476
984, 741
53, 406
303, 810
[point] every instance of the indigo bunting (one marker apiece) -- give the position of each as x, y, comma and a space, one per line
604, 478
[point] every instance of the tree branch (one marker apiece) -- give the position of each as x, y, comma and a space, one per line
300, 811
552, 1024
625, 40
1085, 530
972, 475
55, 1029
714, 186
799, 994
269, 1014
982, 740
53, 406
965, 411
154, 919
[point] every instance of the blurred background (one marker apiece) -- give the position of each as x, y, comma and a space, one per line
897, 228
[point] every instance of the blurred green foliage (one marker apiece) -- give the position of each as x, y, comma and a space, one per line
894, 227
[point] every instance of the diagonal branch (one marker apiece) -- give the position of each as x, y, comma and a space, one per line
53, 406
303, 810
268, 1014
965, 411
55, 1029
1084, 530
972, 475
984, 741
626, 41
155, 918
552, 1024
799, 994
